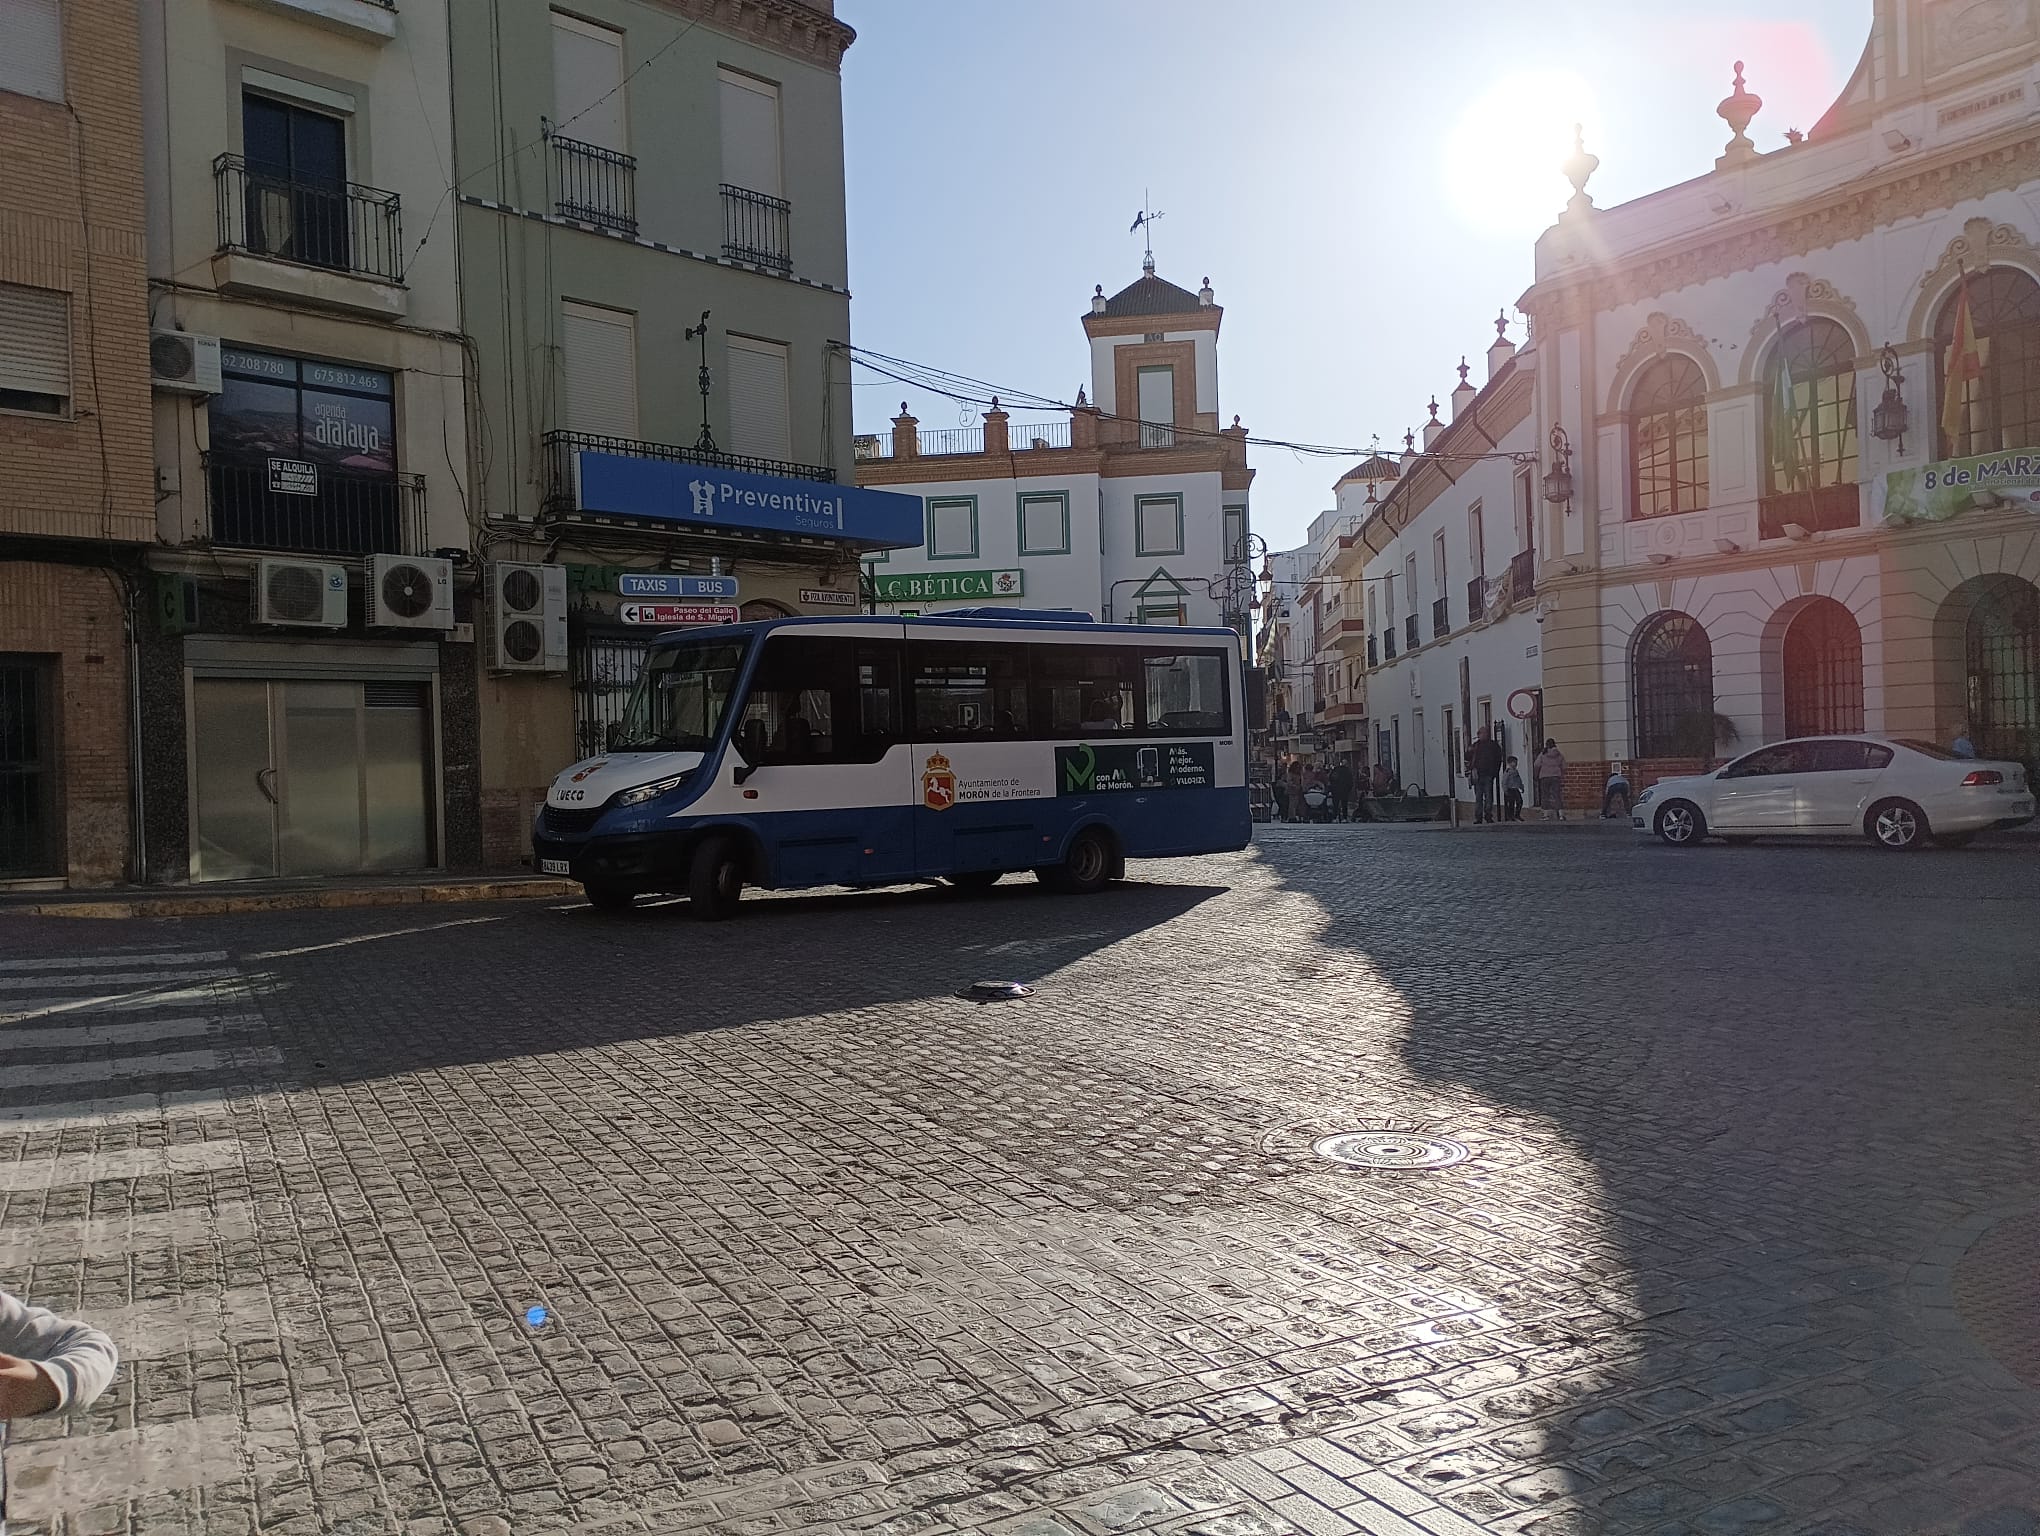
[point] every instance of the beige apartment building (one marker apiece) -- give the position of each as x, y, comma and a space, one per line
75, 498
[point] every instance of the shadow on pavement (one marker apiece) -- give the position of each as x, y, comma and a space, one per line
1726, 1106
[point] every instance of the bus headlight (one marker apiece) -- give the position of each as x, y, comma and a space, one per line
643, 792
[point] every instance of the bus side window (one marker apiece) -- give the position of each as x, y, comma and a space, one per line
1185, 691
1084, 690
966, 690
817, 699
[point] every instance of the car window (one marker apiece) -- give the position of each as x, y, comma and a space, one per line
1840, 756
1786, 757
1929, 749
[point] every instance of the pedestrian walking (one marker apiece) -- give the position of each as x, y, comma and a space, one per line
1484, 761
1615, 794
1342, 792
1512, 790
47, 1365
1548, 769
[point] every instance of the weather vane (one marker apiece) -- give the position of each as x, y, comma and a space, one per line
1146, 220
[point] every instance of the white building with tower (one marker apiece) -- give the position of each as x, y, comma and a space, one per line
1131, 505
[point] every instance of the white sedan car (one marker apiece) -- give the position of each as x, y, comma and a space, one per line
1896, 793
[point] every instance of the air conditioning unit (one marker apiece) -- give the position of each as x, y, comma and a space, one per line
528, 616
301, 593
187, 364
410, 592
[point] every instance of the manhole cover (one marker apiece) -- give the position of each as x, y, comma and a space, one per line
1391, 1149
1997, 1294
996, 991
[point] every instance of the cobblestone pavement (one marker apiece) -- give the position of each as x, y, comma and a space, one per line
827, 1249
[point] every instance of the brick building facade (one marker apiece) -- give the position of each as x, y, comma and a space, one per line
75, 444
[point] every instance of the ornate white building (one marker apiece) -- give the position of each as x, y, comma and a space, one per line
1133, 508
1770, 518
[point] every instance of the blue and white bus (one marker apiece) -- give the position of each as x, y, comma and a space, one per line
874, 751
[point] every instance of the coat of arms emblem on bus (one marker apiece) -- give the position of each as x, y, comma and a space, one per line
938, 783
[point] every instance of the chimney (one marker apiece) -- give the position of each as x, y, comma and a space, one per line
1432, 427
1098, 299
1083, 422
1205, 297
1464, 393
997, 437
906, 438
1501, 349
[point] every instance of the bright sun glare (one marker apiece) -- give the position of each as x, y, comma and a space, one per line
1502, 158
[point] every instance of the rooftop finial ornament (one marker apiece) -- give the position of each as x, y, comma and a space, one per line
1462, 372
1579, 166
1434, 408
1502, 323
1736, 110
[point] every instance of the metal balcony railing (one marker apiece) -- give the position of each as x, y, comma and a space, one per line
1372, 658
1156, 435
348, 514
757, 228
1522, 576
1388, 642
1411, 639
336, 225
595, 185
1441, 619
562, 490
1832, 506
1476, 599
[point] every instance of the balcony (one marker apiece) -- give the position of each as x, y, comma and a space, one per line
1410, 639
370, 20
595, 185
757, 229
1373, 659
562, 493
1830, 507
1441, 619
1388, 642
348, 514
1476, 599
334, 244
1157, 435
1021, 437
1522, 577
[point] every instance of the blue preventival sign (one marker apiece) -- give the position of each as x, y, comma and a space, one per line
667, 584
667, 490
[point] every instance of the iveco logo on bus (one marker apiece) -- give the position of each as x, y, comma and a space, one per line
938, 783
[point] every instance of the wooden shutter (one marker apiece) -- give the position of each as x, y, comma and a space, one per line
35, 341
601, 356
588, 83
32, 48
750, 133
758, 407
1158, 396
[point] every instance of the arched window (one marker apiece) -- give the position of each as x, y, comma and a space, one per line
1810, 409
2002, 670
1823, 671
2000, 409
1668, 438
1672, 667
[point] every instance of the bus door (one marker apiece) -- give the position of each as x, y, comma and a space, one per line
977, 802
821, 728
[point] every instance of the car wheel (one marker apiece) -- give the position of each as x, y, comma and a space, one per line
1086, 868
1680, 824
607, 898
974, 879
1954, 839
1898, 825
715, 880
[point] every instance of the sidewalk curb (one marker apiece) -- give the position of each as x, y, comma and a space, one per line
301, 901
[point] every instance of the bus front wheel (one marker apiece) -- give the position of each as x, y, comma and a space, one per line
1088, 866
715, 880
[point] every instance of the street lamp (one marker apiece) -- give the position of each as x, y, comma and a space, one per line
706, 442
1888, 421
1558, 481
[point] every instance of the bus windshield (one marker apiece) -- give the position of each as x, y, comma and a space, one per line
680, 697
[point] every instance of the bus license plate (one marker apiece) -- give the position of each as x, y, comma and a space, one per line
552, 866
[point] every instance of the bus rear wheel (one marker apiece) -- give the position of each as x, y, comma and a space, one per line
715, 880
1087, 867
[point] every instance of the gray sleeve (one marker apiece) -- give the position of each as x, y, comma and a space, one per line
80, 1360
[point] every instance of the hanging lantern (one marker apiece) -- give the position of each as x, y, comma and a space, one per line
1888, 421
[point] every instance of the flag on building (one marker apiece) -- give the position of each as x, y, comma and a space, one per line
1785, 423
1966, 353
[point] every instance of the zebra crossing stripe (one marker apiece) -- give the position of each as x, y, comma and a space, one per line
23, 1008
128, 1163
105, 960
48, 1074
112, 979
113, 1237
161, 1330
106, 1113
16, 1037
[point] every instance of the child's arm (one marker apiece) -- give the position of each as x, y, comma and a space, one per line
47, 1362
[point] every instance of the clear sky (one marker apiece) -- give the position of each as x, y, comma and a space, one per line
1362, 181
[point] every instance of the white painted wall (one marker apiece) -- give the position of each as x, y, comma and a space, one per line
1052, 581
